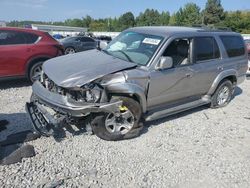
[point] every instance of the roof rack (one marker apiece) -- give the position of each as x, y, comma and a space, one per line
206, 28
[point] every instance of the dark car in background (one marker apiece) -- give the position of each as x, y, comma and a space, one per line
103, 41
23, 51
78, 44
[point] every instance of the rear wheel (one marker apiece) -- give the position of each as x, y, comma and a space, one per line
223, 94
35, 71
111, 127
70, 50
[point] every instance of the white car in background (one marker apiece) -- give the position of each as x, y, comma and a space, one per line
247, 41
248, 71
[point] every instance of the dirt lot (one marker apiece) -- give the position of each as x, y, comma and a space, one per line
198, 148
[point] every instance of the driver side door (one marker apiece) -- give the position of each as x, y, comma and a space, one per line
172, 84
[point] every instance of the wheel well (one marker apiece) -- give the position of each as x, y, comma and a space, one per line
232, 78
69, 47
33, 61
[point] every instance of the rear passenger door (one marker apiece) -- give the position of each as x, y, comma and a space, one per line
207, 63
13, 51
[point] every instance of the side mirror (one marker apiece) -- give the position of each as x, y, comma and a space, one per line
165, 63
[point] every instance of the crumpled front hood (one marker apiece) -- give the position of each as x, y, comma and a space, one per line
78, 69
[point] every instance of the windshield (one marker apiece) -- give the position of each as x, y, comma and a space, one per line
134, 47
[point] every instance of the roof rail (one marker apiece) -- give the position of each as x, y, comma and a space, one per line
206, 28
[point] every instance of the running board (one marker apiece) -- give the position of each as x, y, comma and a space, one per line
170, 111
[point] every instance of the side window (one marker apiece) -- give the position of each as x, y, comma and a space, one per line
234, 45
206, 48
11, 38
30, 38
179, 51
87, 39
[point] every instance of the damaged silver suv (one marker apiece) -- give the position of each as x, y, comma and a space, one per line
145, 73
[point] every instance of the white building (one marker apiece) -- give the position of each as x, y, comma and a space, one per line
2, 23
62, 30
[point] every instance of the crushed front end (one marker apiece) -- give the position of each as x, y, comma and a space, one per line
52, 106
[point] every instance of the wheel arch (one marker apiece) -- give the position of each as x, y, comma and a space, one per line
228, 74
34, 60
128, 90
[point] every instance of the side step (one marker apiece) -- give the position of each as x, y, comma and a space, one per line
170, 111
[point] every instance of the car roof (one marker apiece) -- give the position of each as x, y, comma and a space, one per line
166, 31
23, 30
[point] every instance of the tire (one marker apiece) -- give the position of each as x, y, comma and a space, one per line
218, 99
102, 128
35, 71
69, 50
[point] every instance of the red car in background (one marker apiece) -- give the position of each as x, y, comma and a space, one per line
23, 51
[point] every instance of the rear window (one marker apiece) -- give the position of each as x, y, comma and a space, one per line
87, 39
206, 48
234, 45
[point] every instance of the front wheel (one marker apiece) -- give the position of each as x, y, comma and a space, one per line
111, 127
223, 94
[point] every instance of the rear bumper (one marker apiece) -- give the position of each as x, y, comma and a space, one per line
69, 106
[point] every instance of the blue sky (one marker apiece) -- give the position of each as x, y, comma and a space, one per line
59, 10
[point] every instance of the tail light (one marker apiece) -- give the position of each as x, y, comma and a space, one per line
60, 49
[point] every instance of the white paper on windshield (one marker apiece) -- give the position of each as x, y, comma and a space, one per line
151, 41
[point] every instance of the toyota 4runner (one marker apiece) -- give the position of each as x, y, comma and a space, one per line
145, 73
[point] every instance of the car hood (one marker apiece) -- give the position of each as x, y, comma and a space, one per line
75, 70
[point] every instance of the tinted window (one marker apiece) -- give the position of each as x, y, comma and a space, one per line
11, 37
86, 39
30, 38
234, 45
206, 48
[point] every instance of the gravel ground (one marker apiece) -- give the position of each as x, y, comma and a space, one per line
198, 148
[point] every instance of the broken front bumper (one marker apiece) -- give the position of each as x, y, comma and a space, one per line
43, 121
68, 106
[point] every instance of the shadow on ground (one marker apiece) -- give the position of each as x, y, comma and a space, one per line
12, 150
238, 91
14, 83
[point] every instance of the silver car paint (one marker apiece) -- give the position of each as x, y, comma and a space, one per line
75, 70
151, 86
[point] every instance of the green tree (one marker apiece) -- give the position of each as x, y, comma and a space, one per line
187, 16
87, 21
164, 18
213, 13
150, 17
238, 21
74, 22
125, 21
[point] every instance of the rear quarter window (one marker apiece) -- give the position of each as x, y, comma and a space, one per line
30, 38
234, 45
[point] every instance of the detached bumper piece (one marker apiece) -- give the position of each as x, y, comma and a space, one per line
40, 124
45, 123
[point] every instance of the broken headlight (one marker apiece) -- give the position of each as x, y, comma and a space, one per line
91, 92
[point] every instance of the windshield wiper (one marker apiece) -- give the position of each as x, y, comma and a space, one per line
126, 55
